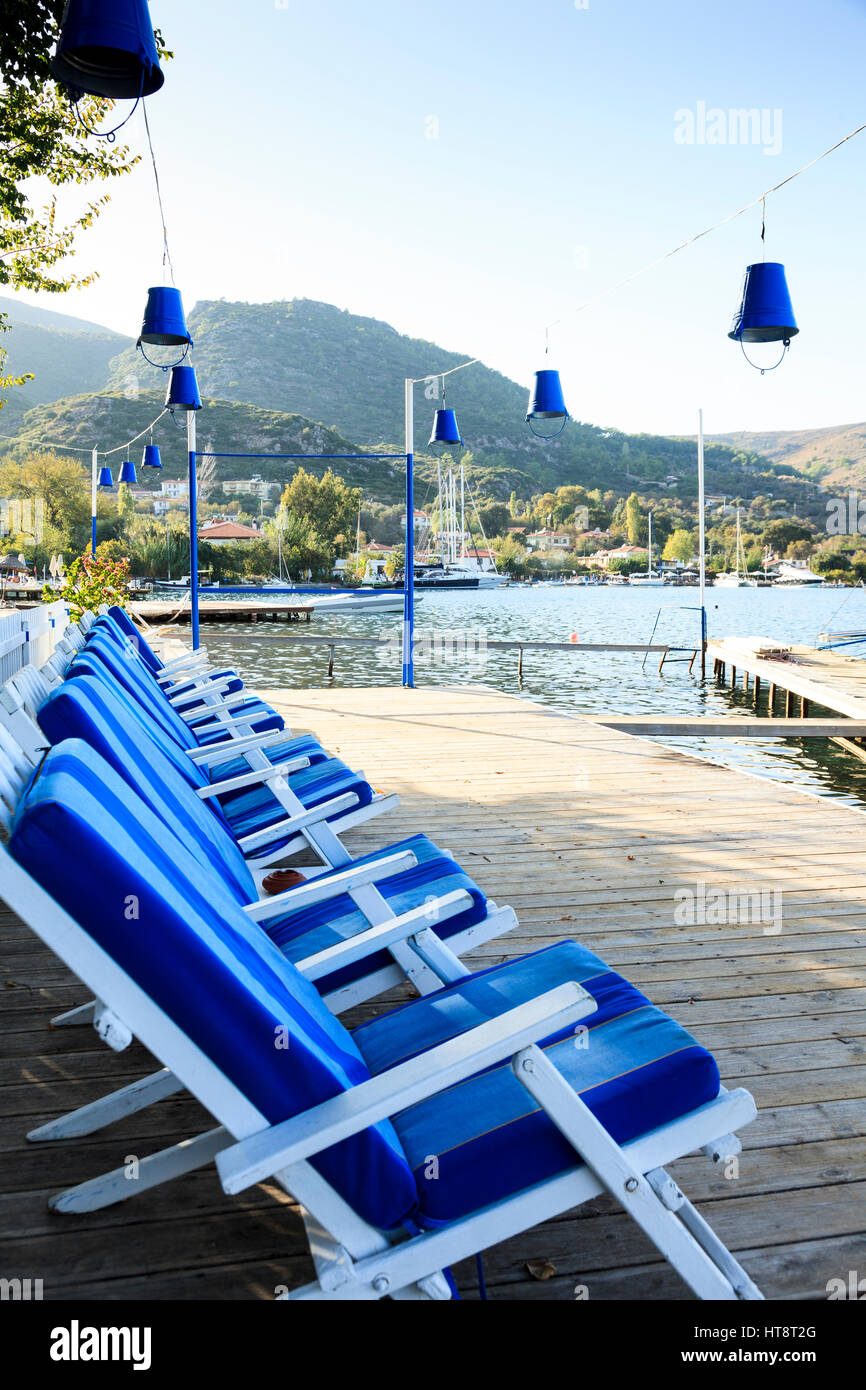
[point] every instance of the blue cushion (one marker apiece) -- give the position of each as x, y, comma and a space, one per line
305, 931
83, 708
117, 620
130, 673
198, 956
639, 1069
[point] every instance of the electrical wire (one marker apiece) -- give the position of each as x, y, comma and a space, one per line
659, 260
79, 449
166, 254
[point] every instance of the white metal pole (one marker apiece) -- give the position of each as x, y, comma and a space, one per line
702, 542
409, 547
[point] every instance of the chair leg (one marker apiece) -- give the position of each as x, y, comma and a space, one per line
125, 1182
74, 1018
105, 1111
687, 1243
718, 1252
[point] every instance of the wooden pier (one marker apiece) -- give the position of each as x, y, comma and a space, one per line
806, 675
591, 834
156, 611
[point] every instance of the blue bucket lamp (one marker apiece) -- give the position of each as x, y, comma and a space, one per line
105, 479
445, 430
151, 457
182, 391
107, 49
164, 324
764, 313
127, 472
546, 402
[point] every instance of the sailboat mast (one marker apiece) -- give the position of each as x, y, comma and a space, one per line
462, 512
649, 562
441, 510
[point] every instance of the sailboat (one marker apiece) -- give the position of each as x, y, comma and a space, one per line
738, 578
455, 568
648, 580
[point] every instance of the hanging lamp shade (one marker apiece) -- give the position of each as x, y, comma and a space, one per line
182, 391
107, 49
105, 479
445, 429
151, 457
127, 472
546, 401
164, 323
764, 314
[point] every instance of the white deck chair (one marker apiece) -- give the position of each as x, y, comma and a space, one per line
340, 1158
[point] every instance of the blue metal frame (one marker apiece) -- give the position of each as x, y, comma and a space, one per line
409, 568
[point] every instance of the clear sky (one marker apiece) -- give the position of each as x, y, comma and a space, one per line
470, 170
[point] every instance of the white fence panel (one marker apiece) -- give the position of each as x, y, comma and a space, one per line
28, 636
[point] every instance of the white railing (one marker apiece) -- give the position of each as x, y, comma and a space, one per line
28, 636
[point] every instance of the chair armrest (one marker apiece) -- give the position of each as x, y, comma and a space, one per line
215, 753
417, 919
260, 839
324, 887
249, 779
260, 1156
189, 689
211, 712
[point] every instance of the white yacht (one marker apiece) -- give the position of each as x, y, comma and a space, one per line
796, 573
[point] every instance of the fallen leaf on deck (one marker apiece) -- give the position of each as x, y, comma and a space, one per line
540, 1269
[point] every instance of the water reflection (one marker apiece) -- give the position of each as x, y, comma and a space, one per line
454, 653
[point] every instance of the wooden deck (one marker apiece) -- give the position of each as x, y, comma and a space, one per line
588, 833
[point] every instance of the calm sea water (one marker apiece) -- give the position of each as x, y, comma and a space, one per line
580, 683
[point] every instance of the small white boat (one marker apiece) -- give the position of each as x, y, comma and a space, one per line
346, 603
648, 580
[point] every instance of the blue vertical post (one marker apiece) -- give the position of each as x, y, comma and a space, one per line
94, 471
193, 529
409, 566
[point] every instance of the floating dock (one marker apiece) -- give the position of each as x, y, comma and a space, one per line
591, 834
156, 611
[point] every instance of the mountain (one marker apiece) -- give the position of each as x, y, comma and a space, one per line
835, 456
330, 365
64, 354
82, 422
302, 360
19, 312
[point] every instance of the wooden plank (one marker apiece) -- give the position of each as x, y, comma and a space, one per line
728, 726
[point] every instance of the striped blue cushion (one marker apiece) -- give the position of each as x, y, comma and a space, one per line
308, 930
251, 810
204, 963
635, 1068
